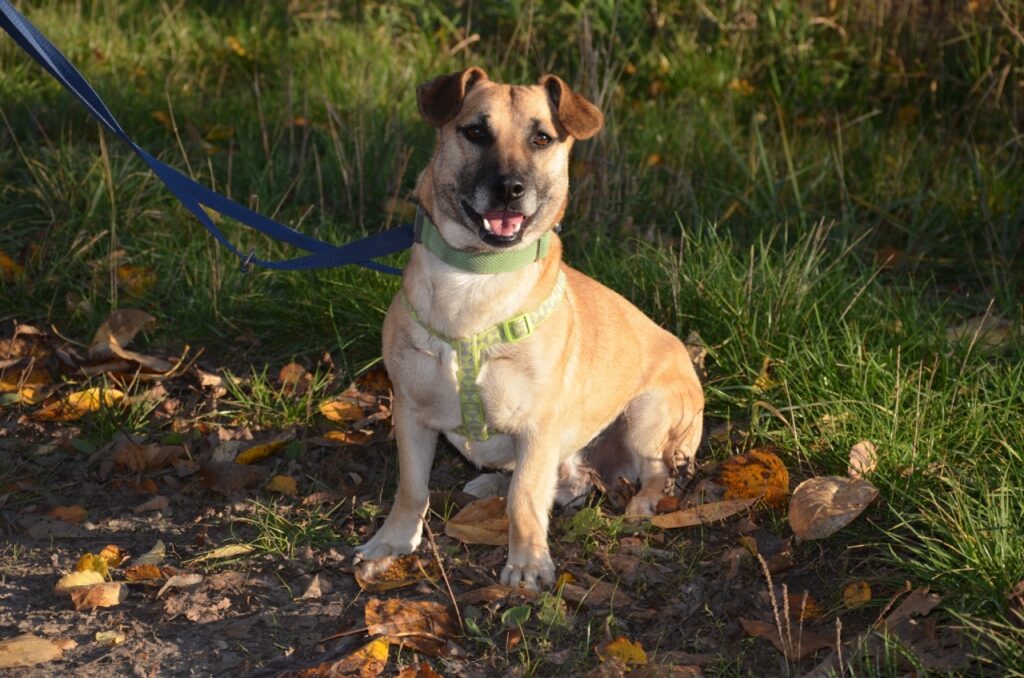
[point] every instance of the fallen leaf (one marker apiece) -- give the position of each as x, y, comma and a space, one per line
484, 521
765, 380
135, 457
863, 459
110, 638
804, 607
76, 580
317, 587
18, 380
157, 503
758, 474
143, 572
400, 572
702, 514
180, 581
423, 625
856, 594
91, 562
285, 485
367, 662
256, 453
69, 514
348, 437
108, 594
495, 592
294, 378
235, 45
799, 642
153, 556
986, 332
228, 478
629, 652
820, 507
9, 268
118, 330
113, 555
136, 280
27, 650
78, 404
341, 411
919, 603
226, 551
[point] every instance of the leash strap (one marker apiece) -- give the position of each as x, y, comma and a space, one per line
194, 196
469, 356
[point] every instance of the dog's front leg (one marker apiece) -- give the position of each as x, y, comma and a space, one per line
530, 498
403, 528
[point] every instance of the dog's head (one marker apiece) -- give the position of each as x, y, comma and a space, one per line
499, 176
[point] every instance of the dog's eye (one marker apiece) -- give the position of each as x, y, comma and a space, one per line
541, 140
475, 133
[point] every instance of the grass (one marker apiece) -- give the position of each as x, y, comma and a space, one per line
761, 161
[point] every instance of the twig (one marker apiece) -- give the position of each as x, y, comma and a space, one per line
444, 575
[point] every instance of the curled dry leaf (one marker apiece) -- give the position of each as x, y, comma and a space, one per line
27, 650
484, 521
226, 551
143, 572
856, 594
228, 478
341, 411
758, 474
294, 379
157, 503
820, 507
136, 280
108, 594
368, 661
703, 514
137, 458
113, 555
180, 581
400, 572
285, 485
153, 556
799, 642
423, 625
863, 459
804, 608
118, 330
110, 638
256, 453
69, 514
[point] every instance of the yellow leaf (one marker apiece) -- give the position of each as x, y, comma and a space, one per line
79, 404
27, 650
348, 437
765, 379
341, 411
856, 594
110, 638
9, 268
164, 119
759, 474
109, 594
654, 159
283, 485
143, 572
629, 652
220, 133
21, 379
563, 579
112, 555
401, 571
227, 551
136, 280
259, 452
77, 579
366, 662
90, 562
235, 45
741, 86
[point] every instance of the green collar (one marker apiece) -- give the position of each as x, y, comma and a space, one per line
469, 355
505, 261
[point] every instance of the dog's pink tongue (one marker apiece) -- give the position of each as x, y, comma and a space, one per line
503, 222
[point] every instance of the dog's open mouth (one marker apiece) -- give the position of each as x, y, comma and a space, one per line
499, 228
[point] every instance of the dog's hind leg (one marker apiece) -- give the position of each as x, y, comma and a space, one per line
403, 528
663, 432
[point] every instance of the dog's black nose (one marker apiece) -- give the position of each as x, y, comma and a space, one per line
508, 188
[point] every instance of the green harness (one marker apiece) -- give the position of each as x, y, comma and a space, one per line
469, 350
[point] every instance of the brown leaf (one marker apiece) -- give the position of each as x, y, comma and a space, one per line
420, 624
400, 572
799, 642
27, 650
144, 572
919, 603
493, 593
228, 478
484, 521
9, 268
135, 457
863, 459
702, 514
820, 507
986, 332
758, 474
294, 379
136, 280
118, 330
804, 607
69, 514
180, 581
157, 503
108, 594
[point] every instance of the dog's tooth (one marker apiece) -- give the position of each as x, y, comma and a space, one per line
487, 225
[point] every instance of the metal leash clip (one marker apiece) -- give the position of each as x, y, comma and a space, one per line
246, 265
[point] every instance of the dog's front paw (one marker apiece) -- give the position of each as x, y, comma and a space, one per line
529, 571
388, 543
643, 505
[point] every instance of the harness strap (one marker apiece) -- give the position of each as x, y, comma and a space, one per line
469, 355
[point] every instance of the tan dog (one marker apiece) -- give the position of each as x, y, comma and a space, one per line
586, 382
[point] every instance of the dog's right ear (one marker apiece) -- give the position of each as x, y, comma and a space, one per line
440, 99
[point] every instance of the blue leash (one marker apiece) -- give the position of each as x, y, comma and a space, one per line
194, 195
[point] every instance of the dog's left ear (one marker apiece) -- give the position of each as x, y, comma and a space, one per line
579, 117
440, 99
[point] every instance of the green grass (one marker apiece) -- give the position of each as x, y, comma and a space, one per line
792, 146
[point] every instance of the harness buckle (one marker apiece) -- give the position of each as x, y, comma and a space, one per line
515, 329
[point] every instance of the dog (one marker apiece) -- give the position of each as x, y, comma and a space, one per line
522, 362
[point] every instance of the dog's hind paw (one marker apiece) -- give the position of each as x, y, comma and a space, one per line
530, 574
